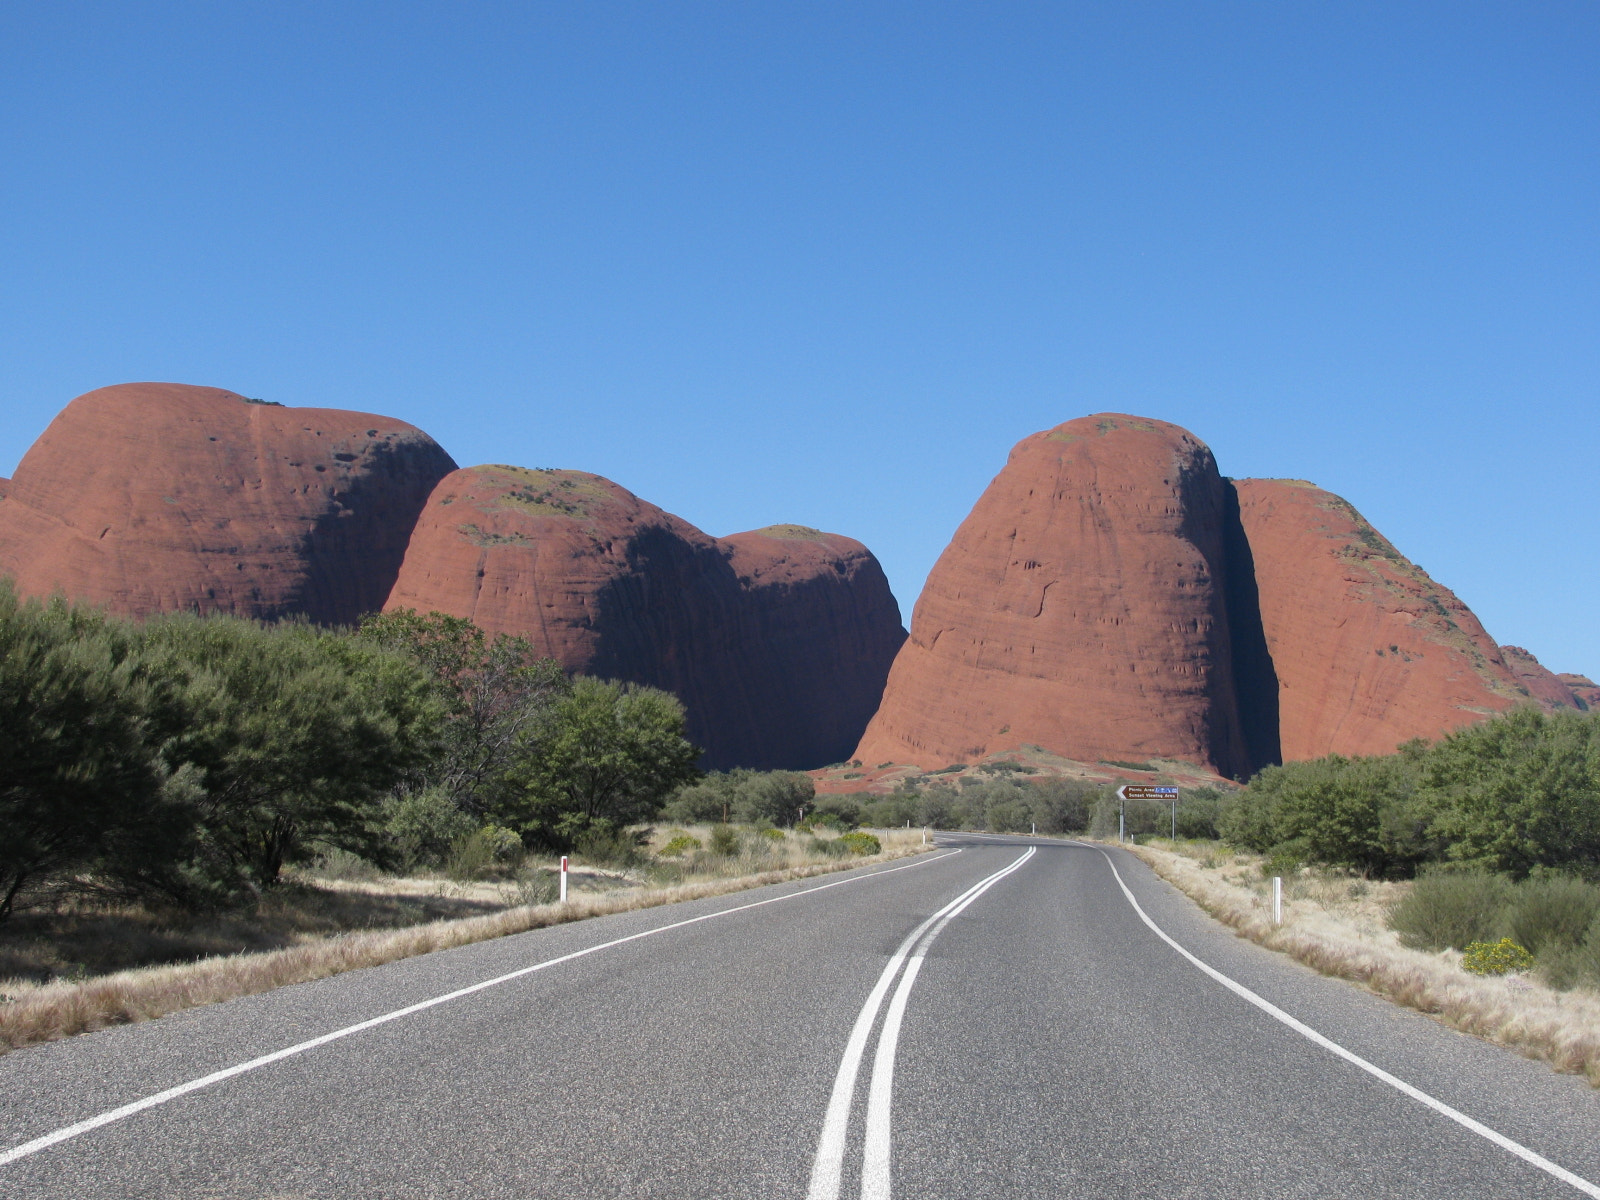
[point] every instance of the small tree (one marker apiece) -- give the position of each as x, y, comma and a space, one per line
292, 735
77, 771
605, 752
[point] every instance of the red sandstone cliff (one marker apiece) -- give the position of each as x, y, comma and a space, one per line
1368, 650
777, 641
152, 497
1080, 607
1583, 689
1545, 687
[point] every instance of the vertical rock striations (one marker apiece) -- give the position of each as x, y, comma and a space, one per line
1081, 607
1369, 652
777, 641
150, 497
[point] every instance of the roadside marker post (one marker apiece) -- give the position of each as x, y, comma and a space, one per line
1277, 899
563, 879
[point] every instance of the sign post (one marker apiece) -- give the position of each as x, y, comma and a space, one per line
1144, 791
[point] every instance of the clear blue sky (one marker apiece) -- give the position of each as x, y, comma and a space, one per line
825, 263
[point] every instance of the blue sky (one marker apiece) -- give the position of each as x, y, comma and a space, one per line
826, 263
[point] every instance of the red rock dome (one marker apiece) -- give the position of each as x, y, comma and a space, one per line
777, 641
1080, 607
1369, 652
152, 497
1541, 684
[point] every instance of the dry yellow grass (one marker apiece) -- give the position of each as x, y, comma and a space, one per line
45, 1012
1337, 925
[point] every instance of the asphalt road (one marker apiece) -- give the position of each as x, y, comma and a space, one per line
980, 1022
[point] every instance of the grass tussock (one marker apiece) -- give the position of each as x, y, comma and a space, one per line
1338, 925
32, 1012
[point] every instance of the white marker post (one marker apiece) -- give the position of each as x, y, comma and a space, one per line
563, 879
1277, 899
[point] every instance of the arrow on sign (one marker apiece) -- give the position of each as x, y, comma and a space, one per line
1146, 791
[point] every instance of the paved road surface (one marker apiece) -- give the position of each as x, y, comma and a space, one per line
810, 1041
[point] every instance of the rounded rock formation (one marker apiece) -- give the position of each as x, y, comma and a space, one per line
777, 641
1540, 683
1080, 608
1369, 652
1583, 689
148, 497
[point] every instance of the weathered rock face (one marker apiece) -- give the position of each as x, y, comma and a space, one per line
820, 630
1080, 607
1583, 689
5, 486
1369, 651
777, 641
150, 497
1540, 683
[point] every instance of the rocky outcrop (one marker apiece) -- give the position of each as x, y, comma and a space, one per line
777, 641
150, 497
1081, 607
1369, 652
5, 486
1541, 684
1583, 689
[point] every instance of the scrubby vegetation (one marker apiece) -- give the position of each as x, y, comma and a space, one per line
188, 761
1515, 795
1498, 825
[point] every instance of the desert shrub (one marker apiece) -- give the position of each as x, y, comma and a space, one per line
1573, 966
1362, 813
823, 819
680, 843
724, 840
897, 809
334, 863
535, 886
1495, 958
1198, 810
471, 858
860, 842
838, 812
1521, 791
771, 835
606, 845
423, 826
1552, 913
828, 847
1452, 909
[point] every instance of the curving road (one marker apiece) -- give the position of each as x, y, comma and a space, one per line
1006, 1017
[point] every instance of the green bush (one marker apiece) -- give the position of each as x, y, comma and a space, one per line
860, 842
830, 847
1573, 966
607, 846
772, 835
471, 858
1452, 909
678, 844
423, 826
724, 840
1552, 913
1496, 958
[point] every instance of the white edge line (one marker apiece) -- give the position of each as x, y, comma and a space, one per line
876, 1158
1400, 1085
68, 1132
828, 1163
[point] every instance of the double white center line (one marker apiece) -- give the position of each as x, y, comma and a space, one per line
875, 1162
